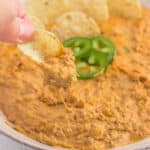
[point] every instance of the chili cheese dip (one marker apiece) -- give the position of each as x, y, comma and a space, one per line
105, 112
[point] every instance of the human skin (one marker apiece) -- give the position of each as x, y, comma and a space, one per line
15, 26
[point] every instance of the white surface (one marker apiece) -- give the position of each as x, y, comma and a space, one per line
8, 144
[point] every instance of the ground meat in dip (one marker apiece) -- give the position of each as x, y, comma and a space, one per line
106, 112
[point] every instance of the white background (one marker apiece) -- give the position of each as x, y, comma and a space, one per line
7, 144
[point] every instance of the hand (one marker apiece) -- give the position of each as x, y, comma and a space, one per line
15, 26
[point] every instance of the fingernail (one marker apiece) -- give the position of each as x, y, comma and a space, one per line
26, 29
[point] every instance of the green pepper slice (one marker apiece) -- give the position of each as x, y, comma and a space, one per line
78, 42
95, 53
80, 45
82, 53
86, 75
98, 58
102, 42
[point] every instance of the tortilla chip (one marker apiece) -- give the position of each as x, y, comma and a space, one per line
73, 24
48, 10
48, 44
37, 23
28, 50
126, 8
97, 9
44, 46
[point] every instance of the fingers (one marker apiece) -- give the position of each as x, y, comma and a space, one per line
26, 30
16, 26
8, 11
20, 30
10, 33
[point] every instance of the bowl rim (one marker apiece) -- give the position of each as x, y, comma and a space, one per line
30, 143
18, 137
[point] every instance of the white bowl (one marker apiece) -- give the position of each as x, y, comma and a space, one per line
12, 140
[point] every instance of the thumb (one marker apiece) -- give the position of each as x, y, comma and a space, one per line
26, 29
21, 29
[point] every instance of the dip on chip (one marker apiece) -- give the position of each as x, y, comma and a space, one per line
49, 10
75, 24
126, 8
44, 45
